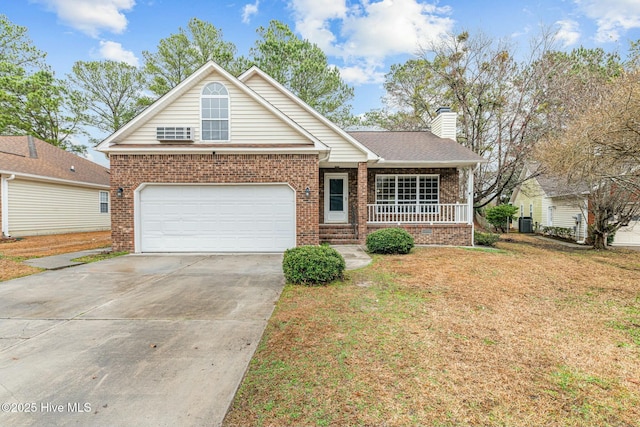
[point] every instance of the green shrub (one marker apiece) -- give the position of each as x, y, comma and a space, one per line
485, 239
561, 232
390, 241
312, 265
499, 216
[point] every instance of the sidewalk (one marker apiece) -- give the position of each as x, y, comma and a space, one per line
354, 256
56, 262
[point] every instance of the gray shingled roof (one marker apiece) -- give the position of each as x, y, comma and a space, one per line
415, 147
31, 156
556, 186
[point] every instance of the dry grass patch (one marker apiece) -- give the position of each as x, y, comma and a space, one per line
13, 252
532, 334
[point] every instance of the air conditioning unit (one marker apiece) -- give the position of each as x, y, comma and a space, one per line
174, 133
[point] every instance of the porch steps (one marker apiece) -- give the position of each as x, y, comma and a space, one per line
338, 234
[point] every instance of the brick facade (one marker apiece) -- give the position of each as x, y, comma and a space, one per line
362, 182
130, 171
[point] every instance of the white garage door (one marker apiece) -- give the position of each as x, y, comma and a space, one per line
629, 235
216, 218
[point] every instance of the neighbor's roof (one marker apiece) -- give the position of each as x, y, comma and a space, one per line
415, 147
25, 155
556, 186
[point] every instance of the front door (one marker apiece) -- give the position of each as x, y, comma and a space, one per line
336, 198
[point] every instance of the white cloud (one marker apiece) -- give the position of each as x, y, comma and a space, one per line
612, 16
568, 32
91, 16
249, 10
362, 74
366, 32
115, 51
391, 27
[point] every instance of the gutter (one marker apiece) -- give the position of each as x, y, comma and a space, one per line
57, 180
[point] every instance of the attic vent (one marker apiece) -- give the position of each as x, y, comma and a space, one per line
180, 133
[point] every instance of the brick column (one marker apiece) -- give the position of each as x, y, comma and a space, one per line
362, 202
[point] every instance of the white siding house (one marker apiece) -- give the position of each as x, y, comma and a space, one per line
46, 190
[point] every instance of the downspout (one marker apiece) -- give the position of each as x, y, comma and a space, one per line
472, 172
4, 194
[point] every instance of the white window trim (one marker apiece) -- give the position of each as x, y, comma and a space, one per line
100, 202
228, 113
417, 176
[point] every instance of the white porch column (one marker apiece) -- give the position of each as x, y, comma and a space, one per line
470, 174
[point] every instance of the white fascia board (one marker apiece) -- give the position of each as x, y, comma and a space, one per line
123, 149
426, 164
32, 177
106, 145
255, 70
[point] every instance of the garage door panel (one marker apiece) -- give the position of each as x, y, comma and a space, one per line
216, 218
629, 235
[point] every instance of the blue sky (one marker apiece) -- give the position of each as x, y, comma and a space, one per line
361, 37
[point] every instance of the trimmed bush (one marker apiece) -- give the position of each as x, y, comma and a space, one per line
390, 241
499, 216
485, 239
312, 265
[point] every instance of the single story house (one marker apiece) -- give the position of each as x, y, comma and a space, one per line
550, 202
226, 164
46, 190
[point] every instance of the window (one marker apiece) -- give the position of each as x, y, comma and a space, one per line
521, 210
407, 189
104, 202
531, 210
215, 113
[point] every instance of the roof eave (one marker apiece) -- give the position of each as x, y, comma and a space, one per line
123, 149
34, 177
430, 163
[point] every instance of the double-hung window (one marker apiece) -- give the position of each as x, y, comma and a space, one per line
215, 112
104, 202
419, 190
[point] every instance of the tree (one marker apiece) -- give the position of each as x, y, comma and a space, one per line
302, 67
500, 216
411, 98
113, 92
497, 98
600, 149
16, 48
32, 100
179, 55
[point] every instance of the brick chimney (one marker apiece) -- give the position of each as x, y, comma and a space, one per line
444, 124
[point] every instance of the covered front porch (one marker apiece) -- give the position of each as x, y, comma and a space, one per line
431, 203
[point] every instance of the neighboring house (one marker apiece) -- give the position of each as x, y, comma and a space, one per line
224, 164
46, 190
551, 202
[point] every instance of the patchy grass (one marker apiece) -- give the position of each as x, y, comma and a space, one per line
532, 334
99, 257
13, 252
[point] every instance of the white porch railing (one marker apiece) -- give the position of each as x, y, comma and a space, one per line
431, 214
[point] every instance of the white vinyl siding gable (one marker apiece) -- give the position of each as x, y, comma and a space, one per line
341, 149
44, 208
250, 122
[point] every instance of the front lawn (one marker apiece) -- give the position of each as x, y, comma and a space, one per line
531, 334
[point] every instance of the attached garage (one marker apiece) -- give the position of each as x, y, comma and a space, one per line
628, 235
215, 218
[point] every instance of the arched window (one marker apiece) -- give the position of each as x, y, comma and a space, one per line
215, 113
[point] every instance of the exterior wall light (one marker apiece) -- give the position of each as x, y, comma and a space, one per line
307, 192
120, 192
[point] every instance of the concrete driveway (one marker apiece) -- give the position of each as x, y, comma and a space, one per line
135, 340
